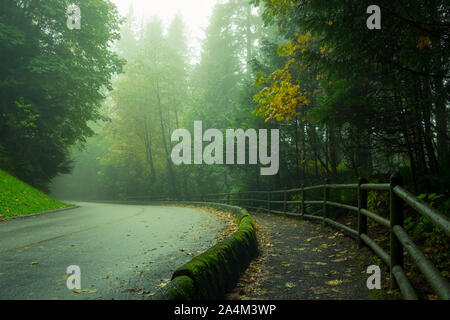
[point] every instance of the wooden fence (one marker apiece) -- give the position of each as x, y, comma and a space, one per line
399, 239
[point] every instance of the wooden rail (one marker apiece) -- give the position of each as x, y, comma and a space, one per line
399, 239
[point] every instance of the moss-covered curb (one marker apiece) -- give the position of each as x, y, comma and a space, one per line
213, 273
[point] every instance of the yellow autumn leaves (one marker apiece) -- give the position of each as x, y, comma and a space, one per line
282, 98
423, 42
280, 5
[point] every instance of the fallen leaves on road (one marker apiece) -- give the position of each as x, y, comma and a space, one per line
161, 285
33, 263
84, 291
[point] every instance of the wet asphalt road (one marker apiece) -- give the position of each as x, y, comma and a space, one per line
123, 251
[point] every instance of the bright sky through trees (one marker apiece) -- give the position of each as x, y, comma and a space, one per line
196, 14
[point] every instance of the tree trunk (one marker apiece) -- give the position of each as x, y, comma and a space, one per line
148, 149
169, 163
441, 120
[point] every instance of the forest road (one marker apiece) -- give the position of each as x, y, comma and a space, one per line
123, 251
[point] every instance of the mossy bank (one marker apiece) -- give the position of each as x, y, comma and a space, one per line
18, 198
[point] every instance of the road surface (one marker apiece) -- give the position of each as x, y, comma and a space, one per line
123, 251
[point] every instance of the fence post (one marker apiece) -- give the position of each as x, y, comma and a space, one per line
269, 196
326, 195
303, 200
362, 204
396, 218
285, 202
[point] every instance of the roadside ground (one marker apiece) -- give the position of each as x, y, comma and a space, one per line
301, 260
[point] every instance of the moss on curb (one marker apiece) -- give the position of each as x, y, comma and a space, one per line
180, 288
213, 273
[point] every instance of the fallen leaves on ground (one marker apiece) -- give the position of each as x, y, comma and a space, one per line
79, 291
162, 284
319, 290
289, 285
256, 272
339, 260
334, 282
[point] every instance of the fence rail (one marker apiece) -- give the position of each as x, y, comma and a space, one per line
399, 239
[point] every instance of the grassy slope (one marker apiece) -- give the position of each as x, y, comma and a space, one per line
18, 198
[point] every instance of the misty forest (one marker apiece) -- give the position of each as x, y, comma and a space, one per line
89, 114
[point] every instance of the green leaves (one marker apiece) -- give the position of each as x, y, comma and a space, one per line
51, 85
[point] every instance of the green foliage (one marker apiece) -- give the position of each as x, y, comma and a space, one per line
52, 83
434, 242
378, 202
366, 115
18, 198
422, 227
353, 86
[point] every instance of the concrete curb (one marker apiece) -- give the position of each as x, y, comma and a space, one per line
37, 214
211, 274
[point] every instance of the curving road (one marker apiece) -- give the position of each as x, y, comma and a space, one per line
123, 251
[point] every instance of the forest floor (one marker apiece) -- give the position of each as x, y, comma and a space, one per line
301, 260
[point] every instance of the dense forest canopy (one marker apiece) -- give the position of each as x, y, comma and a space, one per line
348, 101
53, 82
